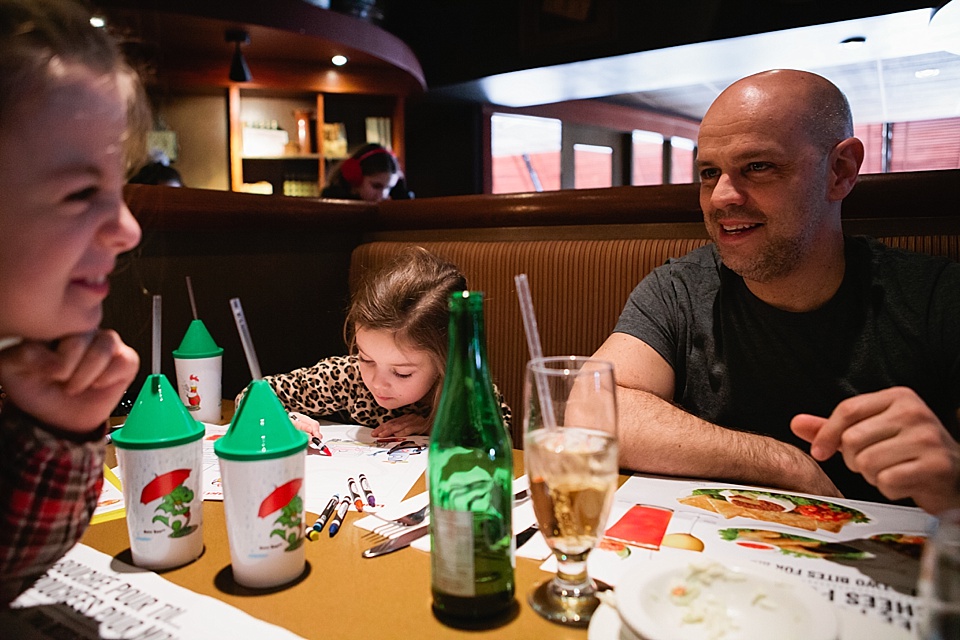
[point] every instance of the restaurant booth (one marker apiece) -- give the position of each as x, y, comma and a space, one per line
292, 261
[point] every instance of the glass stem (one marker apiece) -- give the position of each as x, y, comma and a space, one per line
572, 572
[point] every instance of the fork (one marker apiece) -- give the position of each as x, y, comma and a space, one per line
391, 527
396, 525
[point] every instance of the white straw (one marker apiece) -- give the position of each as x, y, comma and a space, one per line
529, 318
193, 303
245, 338
533, 344
156, 335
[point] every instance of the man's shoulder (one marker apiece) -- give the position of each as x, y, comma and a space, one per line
705, 257
898, 261
694, 274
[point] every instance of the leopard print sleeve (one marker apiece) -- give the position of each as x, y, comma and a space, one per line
504, 409
323, 389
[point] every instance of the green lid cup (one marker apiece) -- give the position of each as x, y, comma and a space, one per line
262, 467
199, 365
160, 451
158, 419
197, 342
261, 428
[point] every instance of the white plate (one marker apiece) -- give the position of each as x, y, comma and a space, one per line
738, 602
607, 625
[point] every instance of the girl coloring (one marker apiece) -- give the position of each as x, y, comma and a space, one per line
396, 332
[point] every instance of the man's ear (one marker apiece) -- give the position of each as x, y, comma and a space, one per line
845, 161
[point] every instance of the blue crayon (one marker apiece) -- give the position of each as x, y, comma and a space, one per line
338, 517
326, 513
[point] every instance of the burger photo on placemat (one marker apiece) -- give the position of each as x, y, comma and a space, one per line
809, 514
793, 545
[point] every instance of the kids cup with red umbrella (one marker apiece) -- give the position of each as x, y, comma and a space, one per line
262, 465
160, 452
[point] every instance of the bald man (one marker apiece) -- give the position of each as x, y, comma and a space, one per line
784, 331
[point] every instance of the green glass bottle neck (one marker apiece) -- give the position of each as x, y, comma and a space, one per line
469, 413
468, 350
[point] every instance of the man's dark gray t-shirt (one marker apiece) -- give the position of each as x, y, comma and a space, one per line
740, 363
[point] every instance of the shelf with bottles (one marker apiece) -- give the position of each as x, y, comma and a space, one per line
281, 127
352, 120
277, 125
289, 176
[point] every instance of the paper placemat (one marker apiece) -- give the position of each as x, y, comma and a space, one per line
88, 594
866, 564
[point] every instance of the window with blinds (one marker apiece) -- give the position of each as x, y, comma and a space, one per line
914, 146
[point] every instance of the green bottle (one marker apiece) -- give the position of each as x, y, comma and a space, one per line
470, 479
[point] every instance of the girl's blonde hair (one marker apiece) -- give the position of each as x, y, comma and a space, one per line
408, 297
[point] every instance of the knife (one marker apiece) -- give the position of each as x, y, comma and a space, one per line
404, 540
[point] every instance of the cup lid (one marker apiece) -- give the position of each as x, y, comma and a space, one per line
158, 418
260, 429
197, 343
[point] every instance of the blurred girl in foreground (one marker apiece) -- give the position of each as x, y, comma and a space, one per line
396, 331
72, 121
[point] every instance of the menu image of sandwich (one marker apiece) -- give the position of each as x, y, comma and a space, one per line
904, 544
793, 545
809, 514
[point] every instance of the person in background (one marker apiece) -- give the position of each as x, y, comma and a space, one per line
371, 174
396, 330
785, 331
73, 121
157, 172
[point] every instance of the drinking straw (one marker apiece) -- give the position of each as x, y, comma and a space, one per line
245, 339
533, 344
193, 303
156, 335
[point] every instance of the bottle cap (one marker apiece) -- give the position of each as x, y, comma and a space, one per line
197, 343
158, 419
260, 429
468, 300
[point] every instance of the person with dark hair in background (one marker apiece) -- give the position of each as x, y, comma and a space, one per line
158, 173
73, 123
371, 174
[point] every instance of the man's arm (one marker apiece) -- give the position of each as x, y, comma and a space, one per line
658, 437
897, 443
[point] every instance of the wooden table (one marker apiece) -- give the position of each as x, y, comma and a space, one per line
342, 595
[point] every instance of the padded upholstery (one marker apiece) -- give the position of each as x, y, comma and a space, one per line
578, 289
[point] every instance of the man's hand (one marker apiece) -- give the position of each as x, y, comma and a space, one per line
893, 439
73, 386
406, 425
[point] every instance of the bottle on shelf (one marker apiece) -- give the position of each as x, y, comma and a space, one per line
470, 479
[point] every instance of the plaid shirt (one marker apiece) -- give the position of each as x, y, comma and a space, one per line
49, 486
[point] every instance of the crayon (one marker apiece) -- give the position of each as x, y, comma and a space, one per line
368, 492
355, 494
319, 446
338, 516
326, 513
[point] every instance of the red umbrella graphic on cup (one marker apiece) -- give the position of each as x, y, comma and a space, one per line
175, 501
286, 499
